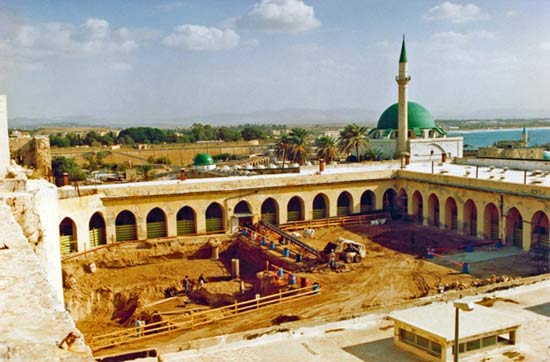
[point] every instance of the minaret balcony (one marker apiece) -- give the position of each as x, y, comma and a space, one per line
399, 78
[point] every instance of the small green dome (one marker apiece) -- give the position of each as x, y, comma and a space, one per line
418, 117
203, 159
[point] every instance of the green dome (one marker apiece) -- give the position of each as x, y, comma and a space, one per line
419, 117
203, 159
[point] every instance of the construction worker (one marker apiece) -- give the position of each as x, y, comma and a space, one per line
332, 259
186, 284
202, 280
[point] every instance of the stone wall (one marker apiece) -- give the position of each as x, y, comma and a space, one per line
32, 152
33, 319
531, 153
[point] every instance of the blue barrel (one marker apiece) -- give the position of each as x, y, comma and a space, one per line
292, 279
499, 243
298, 258
316, 287
272, 245
469, 248
466, 268
286, 252
280, 273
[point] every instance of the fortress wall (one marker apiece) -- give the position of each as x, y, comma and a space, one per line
36, 210
31, 319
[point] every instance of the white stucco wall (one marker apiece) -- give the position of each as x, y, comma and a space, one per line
421, 148
4, 140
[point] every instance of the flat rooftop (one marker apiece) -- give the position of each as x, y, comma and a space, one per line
438, 319
495, 177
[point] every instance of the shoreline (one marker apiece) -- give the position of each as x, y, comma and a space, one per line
475, 130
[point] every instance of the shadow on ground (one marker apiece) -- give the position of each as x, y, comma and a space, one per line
542, 309
382, 350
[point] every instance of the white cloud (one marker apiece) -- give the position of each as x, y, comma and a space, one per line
545, 45
279, 16
456, 13
201, 38
512, 13
91, 37
452, 38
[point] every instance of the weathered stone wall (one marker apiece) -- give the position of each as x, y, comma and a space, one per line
32, 152
529, 153
35, 208
32, 321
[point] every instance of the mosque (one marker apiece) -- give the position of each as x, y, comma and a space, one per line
509, 204
410, 130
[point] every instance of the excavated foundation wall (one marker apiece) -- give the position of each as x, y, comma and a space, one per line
89, 295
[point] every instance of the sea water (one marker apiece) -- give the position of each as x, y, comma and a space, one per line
484, 138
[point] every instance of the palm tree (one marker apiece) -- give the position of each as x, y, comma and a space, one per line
299, 147
353, 137
326, 148
281, 148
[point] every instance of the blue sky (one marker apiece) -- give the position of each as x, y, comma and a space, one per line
149, 61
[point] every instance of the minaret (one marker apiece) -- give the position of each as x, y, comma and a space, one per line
524, 137
403, 121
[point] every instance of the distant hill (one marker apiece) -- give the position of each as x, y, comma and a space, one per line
290, 116
284, 116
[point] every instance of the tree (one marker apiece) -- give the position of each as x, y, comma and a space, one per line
299, 145
326, 148
61, 165
281, 148
229, 134
252, 132
353, 137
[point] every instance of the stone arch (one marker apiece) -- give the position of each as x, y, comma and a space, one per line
186, 221
156, 223
96, 229
320, 206
68, 237
344, 204
368, 201
270, 211
513, 233
215, 219
418, 207
451, 214
389, 203
295, 209
433, 210
540, 230
491, 222
470, 218
243, 211
402, 202
125, 226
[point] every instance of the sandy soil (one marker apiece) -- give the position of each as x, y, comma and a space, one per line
393, 271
